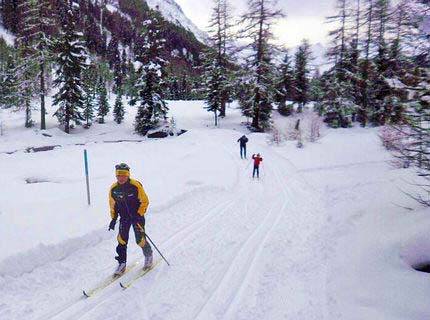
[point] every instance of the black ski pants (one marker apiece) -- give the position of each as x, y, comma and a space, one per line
243, 151
256, 170
139, 233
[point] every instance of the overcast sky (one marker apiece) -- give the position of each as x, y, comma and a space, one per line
305, 18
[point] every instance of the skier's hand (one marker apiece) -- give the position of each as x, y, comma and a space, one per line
112, 224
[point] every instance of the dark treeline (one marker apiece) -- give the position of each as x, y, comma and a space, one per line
94, 52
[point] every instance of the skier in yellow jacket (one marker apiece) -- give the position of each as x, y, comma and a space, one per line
128, 200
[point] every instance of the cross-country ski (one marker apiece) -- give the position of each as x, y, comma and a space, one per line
142, 272
108, 281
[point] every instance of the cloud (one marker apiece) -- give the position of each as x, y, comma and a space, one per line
305, 19
293, 30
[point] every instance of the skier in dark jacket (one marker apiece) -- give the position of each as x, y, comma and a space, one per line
257, 160
243, 140
128, 200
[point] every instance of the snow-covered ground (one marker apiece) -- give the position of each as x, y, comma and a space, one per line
326, 233
6, 36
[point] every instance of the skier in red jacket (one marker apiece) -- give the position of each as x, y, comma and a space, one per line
257, 160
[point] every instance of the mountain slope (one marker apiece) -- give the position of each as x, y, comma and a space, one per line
121, 19
173, 13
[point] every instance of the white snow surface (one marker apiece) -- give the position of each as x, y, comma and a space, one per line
325, 233
6, 36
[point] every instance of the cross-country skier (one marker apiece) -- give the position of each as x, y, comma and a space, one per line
128, 200
257, 160
243, 140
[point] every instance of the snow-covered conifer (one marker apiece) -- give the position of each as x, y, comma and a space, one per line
152, 106
71, 61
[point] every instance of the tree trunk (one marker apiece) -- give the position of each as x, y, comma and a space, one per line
67, 120
255, 119
27, 113
42, 96
222, 110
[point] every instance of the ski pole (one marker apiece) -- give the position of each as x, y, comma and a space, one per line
146, 235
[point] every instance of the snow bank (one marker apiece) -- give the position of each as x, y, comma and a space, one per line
15, 266
54, 210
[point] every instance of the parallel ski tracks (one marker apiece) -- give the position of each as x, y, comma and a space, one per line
177, 239
235, 276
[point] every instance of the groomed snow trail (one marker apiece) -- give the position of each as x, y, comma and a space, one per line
252, 251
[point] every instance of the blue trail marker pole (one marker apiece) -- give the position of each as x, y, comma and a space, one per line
86, 176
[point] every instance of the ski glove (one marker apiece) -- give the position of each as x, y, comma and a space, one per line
112, 224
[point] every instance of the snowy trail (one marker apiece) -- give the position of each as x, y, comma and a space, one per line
325, 227
253, 251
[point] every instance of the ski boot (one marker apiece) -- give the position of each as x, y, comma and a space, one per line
148, 262
120, 269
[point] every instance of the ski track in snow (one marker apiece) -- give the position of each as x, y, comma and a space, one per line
323, 234
255, 251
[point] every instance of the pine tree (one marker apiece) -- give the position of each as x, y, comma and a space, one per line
337, 102
152, 106
380, 89
285, 85
35, 33
10, 15
113, 54
301, 74
124, 64
339, 36
366, 67
90, 77
214, 80
118, 110
244, 93
9, 90
351, 61
226, 54
102, 101
26, 72
336, 106
130, 88
258, 22
198, 88
174, 89
316, 92
417, 151
217, 86
184, 88
398, 33
71, 61
118, 77
415, 123
89, 105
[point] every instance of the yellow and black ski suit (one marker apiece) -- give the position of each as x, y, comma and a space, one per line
130, 202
